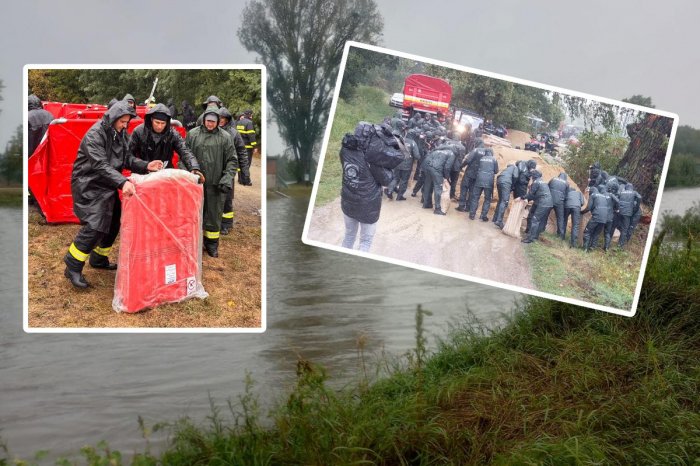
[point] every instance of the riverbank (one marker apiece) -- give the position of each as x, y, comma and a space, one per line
557, 384
11, 196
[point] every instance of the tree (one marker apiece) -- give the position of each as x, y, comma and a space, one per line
11, 163
639, 99
301, 43
644, 158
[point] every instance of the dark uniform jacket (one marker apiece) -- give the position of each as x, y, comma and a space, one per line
97, 171
539, 192
488, 167
509, 176
38, 123
238, 143
559, 187
245, 127
147, 145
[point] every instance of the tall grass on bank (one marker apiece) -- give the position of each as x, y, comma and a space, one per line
557, 384
11, 197
368, 104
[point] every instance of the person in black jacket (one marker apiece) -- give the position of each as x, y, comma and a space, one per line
629, 201
504, 183
226, 122
539, 192
524, 169
559, 188
172, 109
598, 206
245, 126
436, 167
471, 161
189, 118
102, 155
365, 171
155, 139
488, 167
38, 121
572, 208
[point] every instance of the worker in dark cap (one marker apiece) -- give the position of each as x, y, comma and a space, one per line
213, 147
155, 139
247, 131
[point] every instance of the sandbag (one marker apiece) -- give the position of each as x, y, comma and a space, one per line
515, 217
160, 253
445, 196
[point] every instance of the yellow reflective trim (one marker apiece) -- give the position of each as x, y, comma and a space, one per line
77, 253
253, 143
240, 127
227, 215
211, 234
103, 251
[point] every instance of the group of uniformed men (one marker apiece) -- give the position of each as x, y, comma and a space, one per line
213, 149
440, 155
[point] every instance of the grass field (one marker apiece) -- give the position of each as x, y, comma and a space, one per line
369, 104
11, 196
598, 277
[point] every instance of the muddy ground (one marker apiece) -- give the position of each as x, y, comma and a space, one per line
232, 280
451, 242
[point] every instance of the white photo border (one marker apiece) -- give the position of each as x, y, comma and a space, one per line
627, 313
263, 201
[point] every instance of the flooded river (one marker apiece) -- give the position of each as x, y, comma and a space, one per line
62, 391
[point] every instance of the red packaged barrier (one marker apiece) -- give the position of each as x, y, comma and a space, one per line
160, 251
49, 168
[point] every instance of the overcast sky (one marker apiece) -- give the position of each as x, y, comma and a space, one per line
609, 48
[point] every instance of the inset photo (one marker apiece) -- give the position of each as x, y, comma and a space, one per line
490, 178
144, 209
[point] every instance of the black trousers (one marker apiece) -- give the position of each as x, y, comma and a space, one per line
420, 181
400, 181
539, 219
454, 176
474, 201
88, 239
575, 214
465, 191
624, 226
503, 200
590, 233
561, 221
227, 216
433, 185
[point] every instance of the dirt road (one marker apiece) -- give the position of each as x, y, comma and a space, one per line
452, 242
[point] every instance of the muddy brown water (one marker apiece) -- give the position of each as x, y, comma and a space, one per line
59, 392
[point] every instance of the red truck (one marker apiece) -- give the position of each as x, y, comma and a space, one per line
422, 93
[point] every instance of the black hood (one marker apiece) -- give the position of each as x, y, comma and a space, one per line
34, 103
112, 102
159, 108
592, 190
117, 110
629, 187
562, 176
129, 97
602, 189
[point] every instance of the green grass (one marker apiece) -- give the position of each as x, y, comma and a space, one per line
557, 384
368, 104
11, 197
597, 277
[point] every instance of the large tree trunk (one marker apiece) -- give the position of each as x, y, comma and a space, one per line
644, 159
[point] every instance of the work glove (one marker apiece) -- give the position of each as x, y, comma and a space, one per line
244, 179
200, 175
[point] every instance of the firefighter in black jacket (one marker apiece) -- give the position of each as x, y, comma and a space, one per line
97, 175
247, 130
225, 122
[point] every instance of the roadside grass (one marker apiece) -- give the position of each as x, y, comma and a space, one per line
597, 277
556, 384
368, 104
11, 197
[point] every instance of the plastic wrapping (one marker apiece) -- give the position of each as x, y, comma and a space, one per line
160, 253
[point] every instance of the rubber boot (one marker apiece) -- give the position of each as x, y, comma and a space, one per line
74, 272
211, 246
438, 211
98, 261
